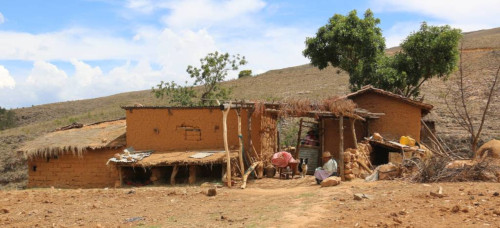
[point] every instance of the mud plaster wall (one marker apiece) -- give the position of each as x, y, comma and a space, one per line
332, 138
170, 130
69, 171
268, 134
400, 118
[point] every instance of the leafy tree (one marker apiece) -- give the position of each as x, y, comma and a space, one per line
212, 71
7, 118
350, 43
180, 95
357, 46
430, 52
245, 73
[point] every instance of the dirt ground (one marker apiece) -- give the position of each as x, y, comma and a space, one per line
265, 203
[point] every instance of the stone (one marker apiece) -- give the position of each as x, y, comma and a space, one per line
455, 209
211, 192
4, 211
330, 181
359, 196
496, 194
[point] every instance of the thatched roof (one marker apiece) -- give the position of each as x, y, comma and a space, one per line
109, 134
426, 108
168, 158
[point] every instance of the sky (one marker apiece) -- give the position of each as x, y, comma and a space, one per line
59, 50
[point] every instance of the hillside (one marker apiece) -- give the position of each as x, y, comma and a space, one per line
480, 49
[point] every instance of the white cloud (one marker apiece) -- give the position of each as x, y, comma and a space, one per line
206, 13
465, 14
6, 81
46, 76
144, 6
2, 18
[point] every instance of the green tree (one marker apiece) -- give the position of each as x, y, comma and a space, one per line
178, 95
212, 71
430, 52
357, 46
7, 118
350, 43
245, 73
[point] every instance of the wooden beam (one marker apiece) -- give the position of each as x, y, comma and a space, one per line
192, 174
341, 147
297, 148
240, 138
353, 130
225, 112
174, 173
250, 149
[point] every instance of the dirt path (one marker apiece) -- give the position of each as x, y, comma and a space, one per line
265, 203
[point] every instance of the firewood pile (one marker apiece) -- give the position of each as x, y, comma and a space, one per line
357, 162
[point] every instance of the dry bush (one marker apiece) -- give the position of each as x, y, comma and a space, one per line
434, 170
302, 107
338, 105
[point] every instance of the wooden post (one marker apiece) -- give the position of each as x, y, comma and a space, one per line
353, 129
225, 112
240, 137
341, 147
120, 175
192, 174
322, 141
297, 149
250, 149
174, 173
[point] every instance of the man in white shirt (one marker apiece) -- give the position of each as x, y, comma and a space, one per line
329, 168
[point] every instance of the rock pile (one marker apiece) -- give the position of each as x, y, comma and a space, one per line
357, 161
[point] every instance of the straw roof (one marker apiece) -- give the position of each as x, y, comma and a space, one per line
426, 108
168, 158
110, 134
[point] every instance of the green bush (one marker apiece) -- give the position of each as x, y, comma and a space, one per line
245, 73
7, 118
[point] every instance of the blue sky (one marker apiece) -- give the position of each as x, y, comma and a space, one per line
56, 50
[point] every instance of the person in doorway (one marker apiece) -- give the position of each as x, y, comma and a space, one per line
329, 168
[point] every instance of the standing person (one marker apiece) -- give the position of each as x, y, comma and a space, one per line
329, 168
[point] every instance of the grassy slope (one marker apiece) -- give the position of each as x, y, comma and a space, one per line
298, 81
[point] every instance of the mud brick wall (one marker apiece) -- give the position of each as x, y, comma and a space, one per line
332, 139
164, 129
400, 118
69, 171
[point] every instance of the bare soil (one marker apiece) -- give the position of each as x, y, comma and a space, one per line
265, 203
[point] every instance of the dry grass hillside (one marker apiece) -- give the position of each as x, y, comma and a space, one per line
300, 81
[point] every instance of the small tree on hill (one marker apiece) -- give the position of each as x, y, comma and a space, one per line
357, 46
7, 118
212, 71
245, 73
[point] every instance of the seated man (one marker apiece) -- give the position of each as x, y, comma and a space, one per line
329, 168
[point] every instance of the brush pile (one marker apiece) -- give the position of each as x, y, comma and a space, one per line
357, 162
304, 106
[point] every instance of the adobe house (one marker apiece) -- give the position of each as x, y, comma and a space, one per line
78, 157
75, 157
388, 114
